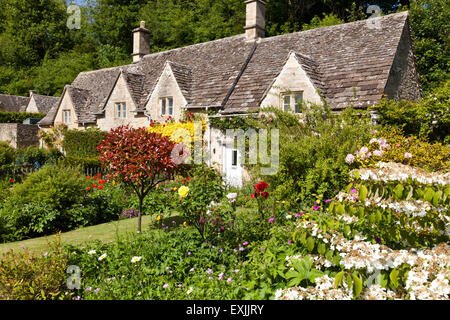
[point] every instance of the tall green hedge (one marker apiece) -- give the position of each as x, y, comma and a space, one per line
18, 117
83, 143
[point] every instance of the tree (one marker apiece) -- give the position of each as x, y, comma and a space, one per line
139, 159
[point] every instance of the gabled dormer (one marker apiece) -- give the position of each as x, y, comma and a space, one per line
169, 95
122, 105
299, 81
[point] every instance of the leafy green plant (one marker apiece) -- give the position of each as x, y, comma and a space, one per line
26, 276
303, 272
202, 187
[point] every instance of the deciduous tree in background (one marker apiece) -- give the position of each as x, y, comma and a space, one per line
139, 159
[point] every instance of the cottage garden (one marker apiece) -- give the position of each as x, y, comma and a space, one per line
356, 211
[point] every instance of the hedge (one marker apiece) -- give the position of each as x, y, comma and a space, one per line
18, 117
83, 143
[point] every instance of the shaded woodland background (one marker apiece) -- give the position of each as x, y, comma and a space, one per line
38, 51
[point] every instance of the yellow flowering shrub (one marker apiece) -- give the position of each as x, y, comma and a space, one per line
169, 129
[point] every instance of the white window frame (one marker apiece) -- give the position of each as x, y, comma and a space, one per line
292, 101
120, 110
166, 105
67, 116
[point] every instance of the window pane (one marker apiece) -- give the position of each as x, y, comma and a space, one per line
298, 102
118, 110
287, 103
163, 106
124, 110
234, 157
170, 106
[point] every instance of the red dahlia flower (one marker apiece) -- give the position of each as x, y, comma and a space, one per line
265, 194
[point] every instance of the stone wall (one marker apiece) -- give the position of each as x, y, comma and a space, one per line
19, 135
404, 81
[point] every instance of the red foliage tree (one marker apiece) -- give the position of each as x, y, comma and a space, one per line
139, 159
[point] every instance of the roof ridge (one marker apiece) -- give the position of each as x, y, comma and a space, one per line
341, 25
242, 35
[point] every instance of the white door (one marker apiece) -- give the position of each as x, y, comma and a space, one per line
232, 167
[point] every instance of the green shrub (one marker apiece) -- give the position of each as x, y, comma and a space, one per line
82, 162
18, 117
35, 219
37, 156
203, 186
429, 118
24, 276
82, 143
312, 151
157, 202
7, 154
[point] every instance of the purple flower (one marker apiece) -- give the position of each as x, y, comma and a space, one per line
290, 241
165, 286
192, 270
354, 190
315, 208
271, 220
245, 243
299, 214
221, 276
328, 201
229, 279
97, 290
179, 286
88, 288
189, 253
377, 240
262, 249
209, 271
77, 298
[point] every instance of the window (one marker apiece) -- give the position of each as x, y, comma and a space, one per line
67, 117
166, 106
234, 158
287, 103
292, 101
121, 110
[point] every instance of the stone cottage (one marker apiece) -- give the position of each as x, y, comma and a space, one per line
20, 135
357, 63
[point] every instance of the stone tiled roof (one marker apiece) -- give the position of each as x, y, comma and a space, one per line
347, 63
10, 103
45, 103
352, 55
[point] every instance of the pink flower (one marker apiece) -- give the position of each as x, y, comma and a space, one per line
245, 244
271, 220
378, 153
165, 286
229, 279
408, 155
350, 158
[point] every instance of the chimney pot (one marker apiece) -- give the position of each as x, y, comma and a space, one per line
255, 24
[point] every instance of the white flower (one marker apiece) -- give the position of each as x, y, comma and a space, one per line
190, 290
232, 197
289, 217
407, 155
135, 259
103, 256
92, 252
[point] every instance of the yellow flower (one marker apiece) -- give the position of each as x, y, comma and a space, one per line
185, 224
183, 191
175, 189
158, 218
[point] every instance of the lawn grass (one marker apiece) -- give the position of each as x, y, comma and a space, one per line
106, 232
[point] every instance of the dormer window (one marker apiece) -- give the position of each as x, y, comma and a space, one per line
67, 117
166, 106
121, 110
292, 101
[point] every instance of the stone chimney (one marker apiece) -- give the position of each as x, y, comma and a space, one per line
255, 24
141, 42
